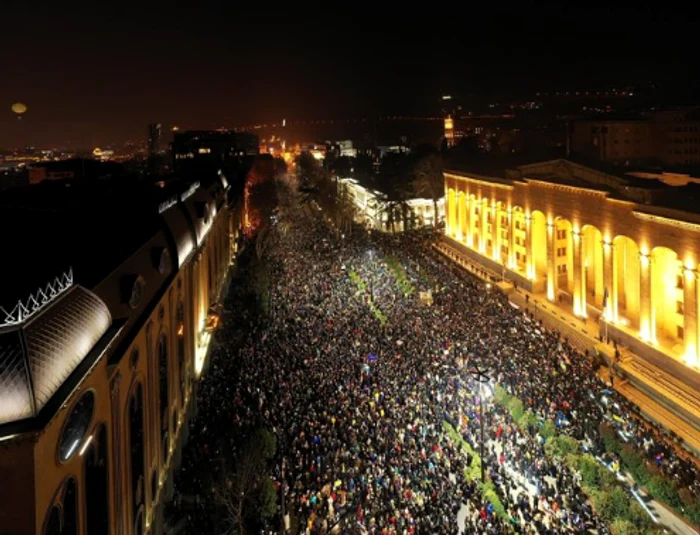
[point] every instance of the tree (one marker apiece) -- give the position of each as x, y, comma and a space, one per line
345, 210
342, 166
308, 169
429, 182
240, 490
612, 504
394, 181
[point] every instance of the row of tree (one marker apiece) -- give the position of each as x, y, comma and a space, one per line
399, 175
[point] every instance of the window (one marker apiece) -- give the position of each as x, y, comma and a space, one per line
164, 390
96, 484
181, 361
680, 332
70, 509
517, 256
679, 307
136, 447
53, 524
76, 426
680, 283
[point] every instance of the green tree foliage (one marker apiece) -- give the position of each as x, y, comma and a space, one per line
265, 500
664, 489
612, 504
588, 468
428, 180
548, 429
560, 446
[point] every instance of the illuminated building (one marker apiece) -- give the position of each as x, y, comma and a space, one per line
372, 208
449, 131
583, 239
99, 364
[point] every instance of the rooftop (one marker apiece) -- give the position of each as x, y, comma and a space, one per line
89, 226
585, 174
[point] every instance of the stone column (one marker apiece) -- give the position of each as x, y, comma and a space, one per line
579, 291
610, 311
463, 217
482, 230
646, 309
690, 315
511, 239
497, 234
448, 230
551, 262
458, 217
530, 267
470, 222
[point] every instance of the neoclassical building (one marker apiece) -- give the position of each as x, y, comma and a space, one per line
99, 365
615, 248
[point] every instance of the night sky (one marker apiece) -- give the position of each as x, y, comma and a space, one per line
99, 74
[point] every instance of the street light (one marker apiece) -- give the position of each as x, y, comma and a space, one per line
483, 379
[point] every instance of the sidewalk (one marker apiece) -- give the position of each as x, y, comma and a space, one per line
584, 335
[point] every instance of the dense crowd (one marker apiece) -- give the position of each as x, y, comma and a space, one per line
358, 404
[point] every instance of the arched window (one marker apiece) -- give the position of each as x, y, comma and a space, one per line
164, 391
136, 447
96, 483
70, 509
211, 277
62, 518
181, 362
53, 524
76, 426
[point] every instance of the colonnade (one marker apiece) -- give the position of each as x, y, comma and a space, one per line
648, 291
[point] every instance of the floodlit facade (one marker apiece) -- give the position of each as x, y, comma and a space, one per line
608, 247
372, 209
98, 375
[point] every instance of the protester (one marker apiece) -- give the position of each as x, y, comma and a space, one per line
359, 404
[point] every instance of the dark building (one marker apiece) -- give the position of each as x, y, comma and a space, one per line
154, 135
74, 168
104, 334
154, 158
200, 149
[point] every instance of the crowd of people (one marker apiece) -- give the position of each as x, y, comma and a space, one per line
359, 402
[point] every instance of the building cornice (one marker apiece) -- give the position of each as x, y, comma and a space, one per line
567, 188
686, 225
484, 182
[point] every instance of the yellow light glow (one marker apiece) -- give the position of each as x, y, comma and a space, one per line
201, 353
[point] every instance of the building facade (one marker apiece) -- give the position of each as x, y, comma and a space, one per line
671, 137
594, 243
374, 211
153, 140
99, 379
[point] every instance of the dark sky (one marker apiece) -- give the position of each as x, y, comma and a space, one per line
99, 73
